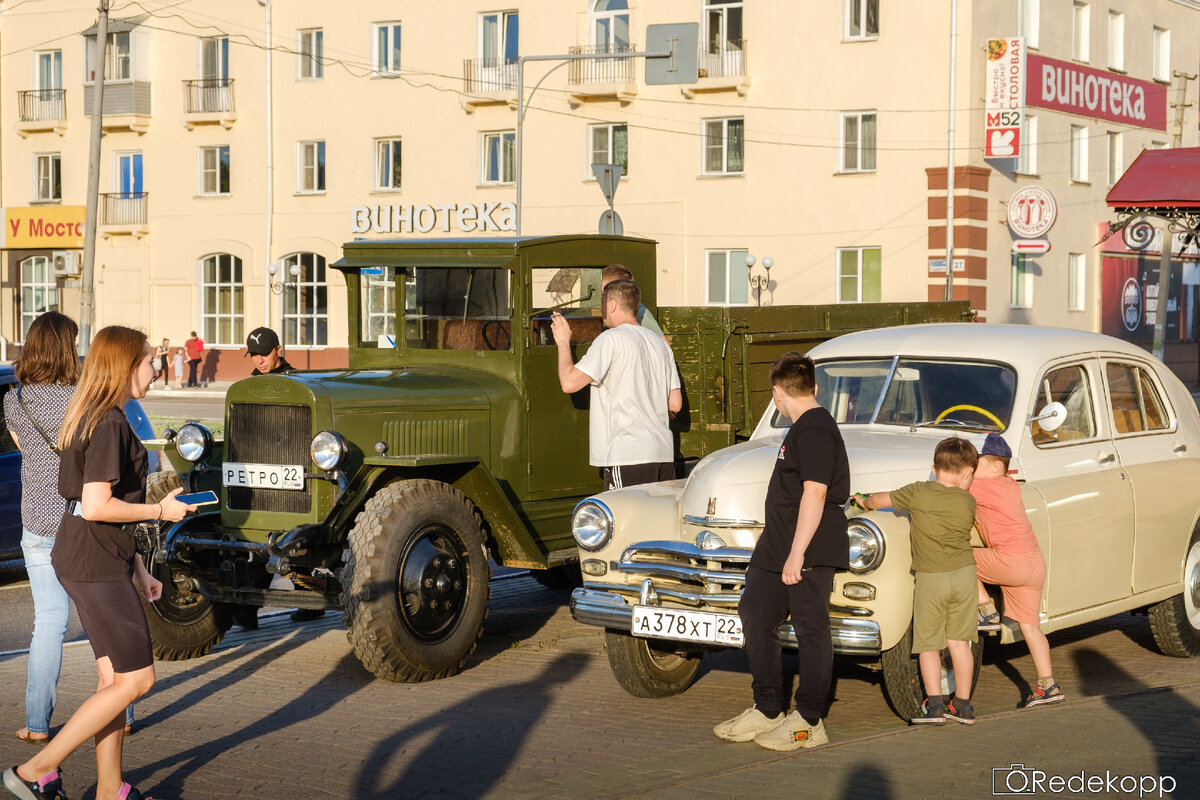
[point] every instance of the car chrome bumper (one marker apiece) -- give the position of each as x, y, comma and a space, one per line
851, 636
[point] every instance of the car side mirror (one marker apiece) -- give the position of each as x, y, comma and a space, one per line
1051, 417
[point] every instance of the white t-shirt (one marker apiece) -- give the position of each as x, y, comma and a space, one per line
633, 373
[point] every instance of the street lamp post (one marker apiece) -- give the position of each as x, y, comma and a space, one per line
759, 283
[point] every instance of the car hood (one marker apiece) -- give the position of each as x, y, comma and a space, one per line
732, 483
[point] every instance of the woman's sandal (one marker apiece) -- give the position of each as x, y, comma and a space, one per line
48, 787
130, 793
26, 736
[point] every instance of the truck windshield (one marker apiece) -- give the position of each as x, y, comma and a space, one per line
972, 395
456, 308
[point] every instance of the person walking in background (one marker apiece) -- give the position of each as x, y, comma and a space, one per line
178, 367
195, 348
160, 358
103, 479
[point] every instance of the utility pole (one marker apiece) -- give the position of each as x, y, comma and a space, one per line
1181, 105
950, 155
87, 300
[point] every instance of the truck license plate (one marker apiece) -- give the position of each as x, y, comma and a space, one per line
263, 476
656, 622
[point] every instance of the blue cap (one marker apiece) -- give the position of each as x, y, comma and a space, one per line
994, 445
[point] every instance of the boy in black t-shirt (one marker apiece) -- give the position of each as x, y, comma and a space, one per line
803, 542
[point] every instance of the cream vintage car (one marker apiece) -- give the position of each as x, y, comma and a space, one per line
1105, 441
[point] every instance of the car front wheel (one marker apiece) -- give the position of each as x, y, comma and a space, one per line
650, 667
1175, 622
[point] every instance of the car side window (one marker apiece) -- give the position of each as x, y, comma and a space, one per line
1068, 385
7, 445
1134, 400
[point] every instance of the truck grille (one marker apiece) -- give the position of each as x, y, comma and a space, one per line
269, 434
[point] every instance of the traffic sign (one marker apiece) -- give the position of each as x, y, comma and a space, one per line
610, 223
1031, 247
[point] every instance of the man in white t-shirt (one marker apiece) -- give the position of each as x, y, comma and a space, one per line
635, 391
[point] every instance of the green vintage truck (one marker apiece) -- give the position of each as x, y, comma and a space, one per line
383, 489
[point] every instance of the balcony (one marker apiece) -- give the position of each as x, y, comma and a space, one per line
602, 78
723, 68
124, 214
208, 101
42, 110
126, 105
489, 81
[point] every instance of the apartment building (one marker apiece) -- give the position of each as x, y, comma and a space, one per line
244, 142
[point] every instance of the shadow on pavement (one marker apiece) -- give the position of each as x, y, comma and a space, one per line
467, 748
866, 780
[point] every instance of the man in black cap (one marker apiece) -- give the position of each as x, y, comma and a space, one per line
263, 346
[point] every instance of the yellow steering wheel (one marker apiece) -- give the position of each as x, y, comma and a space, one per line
981, 411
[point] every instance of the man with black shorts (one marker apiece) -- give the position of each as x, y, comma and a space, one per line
791, 571
635, 391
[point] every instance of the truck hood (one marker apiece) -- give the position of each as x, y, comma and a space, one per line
440, 387
732, 483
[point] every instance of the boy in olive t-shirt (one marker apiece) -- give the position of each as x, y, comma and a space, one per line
942, 513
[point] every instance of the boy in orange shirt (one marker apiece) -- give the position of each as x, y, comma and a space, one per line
1012, 560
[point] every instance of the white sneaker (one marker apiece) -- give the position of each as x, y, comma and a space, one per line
746, 725
792, 734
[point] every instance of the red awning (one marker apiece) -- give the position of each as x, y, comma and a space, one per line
1160, 179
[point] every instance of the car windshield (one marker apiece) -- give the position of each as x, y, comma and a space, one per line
973, 395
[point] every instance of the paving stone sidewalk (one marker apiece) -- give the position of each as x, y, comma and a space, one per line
288, 711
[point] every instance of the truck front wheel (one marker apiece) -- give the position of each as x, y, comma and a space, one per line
902, 679
183, 623
416, 579
649, 667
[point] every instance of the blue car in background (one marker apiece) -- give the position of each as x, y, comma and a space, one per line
10, 466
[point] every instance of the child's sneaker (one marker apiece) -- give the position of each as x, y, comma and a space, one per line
989, 620
961, 710
1041, 697
931, 714
48, 787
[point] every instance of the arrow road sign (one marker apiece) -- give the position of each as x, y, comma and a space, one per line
1031, 247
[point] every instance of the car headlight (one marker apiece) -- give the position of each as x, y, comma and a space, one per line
592, 525
866, 546
328, 450
194, 442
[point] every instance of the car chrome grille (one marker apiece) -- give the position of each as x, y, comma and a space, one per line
689, 573
262, 433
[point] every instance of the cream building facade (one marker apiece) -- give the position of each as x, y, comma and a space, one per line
244, 142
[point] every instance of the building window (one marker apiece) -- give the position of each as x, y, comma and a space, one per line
1162, 55
1157, 145
117, 59
858, 141
305, 301
1076, 282
1027, 160
310, 54
1079, 153
128, 180
47, 185
214, 170
498, 159
387, 48
1022, 282
862, 19
1116, 157
222, 309
724, 146
728, 278
39, 292
610, 145
387, 165
499, 32
214, 58
1081, 32
859, 271
312, 167
610, 25
1029, 21
49, 70
1116, 40
723, 39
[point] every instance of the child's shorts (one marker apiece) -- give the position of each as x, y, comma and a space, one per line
1020, 577
945, 607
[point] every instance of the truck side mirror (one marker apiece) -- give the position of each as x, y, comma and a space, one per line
1051, 417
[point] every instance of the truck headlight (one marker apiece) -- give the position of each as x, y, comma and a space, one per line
328, 450
866, 545
592, 525
194, 442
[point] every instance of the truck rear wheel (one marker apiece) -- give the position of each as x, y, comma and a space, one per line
902, 686
1175, 622
416, 579
183, 623
649, 667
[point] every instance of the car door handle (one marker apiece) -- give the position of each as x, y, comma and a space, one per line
1108, 459
1181, 448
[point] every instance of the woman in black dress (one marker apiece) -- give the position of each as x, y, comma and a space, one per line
103, 478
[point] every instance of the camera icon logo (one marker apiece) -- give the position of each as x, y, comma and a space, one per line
1015, 779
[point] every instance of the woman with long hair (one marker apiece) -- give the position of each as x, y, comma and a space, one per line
103, 479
